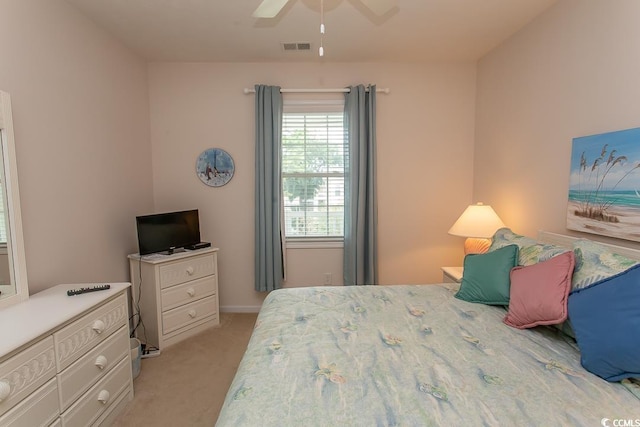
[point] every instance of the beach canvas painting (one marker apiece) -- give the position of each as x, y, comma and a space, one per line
604, 186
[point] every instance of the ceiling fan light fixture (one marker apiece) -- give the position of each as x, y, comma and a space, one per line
272, 8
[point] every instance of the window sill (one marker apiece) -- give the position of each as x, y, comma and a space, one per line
317, 243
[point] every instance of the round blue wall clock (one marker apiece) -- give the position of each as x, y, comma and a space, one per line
215, 167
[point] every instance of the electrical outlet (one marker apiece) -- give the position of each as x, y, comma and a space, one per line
328, 280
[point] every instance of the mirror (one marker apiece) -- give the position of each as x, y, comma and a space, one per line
13, 268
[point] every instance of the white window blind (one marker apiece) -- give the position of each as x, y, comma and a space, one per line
313, 159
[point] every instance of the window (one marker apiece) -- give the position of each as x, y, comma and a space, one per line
313, 159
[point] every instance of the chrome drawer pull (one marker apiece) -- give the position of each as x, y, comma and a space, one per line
5, 390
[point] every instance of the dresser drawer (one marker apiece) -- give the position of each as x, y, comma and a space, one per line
189, 269
109, 416
187, 314
85, 333
82, 374
39, 409
25, 372
178, 295
99, 397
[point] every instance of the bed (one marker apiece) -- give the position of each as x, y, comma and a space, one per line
413, 355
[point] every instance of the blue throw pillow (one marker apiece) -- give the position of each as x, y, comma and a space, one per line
606, 319
485, 278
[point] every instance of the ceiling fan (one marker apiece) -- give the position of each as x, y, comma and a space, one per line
271, 8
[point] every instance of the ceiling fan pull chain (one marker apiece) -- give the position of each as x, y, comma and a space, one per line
321, 50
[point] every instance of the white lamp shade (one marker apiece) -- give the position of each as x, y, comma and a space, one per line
479, 221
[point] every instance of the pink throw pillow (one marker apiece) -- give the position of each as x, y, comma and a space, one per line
539, 292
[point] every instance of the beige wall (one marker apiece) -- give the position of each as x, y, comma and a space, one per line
573, 72
89, 160
80, 111
425, 158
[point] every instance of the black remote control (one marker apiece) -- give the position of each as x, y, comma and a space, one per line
72, 292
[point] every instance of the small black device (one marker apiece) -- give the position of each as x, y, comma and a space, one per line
168, 231
200, 245
95, 288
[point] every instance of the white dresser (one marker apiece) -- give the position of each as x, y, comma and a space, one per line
177, 295
65, 360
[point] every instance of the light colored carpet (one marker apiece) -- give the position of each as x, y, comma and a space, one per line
186, 385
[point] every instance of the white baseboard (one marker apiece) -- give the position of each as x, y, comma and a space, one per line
239, 309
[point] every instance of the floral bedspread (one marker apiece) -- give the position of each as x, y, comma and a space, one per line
409, 355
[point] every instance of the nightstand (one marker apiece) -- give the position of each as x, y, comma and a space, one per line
451, 274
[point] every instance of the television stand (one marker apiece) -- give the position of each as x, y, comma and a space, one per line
178, 297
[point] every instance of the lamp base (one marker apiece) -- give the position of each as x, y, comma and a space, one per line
476, 245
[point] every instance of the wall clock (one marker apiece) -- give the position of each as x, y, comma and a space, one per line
215, 167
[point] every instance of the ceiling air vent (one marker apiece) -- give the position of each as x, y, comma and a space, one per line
296, 46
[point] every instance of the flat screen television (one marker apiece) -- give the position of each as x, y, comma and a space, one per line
167, 231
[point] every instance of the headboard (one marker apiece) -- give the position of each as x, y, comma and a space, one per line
567, 241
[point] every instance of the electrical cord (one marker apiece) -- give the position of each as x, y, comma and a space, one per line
136, 304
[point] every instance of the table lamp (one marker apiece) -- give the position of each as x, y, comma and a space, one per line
478, 223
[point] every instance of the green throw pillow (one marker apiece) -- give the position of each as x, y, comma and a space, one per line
485, 278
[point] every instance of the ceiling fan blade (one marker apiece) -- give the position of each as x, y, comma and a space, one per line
379, 7
269, 8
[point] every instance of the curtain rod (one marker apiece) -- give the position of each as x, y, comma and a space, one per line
338, 90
